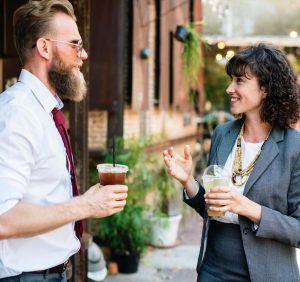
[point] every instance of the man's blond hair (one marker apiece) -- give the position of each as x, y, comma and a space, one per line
33, 20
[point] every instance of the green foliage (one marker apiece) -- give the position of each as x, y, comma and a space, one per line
216, 82
293, 59
191, 58
126, 232
201, 164
139, 178
165, 189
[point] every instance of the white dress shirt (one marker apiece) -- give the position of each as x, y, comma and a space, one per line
32, 169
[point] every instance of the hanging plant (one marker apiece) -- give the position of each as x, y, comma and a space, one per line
191, 55
191, 58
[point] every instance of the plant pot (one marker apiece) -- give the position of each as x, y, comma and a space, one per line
181, 33
127, 263
164, 230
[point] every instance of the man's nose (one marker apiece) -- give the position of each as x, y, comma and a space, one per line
83, 55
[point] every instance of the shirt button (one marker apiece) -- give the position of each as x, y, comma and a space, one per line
246, 230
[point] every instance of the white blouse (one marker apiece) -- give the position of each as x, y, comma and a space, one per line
249, 151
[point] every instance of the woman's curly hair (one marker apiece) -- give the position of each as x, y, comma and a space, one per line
270, 66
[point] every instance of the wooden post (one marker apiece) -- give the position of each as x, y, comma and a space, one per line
79, 139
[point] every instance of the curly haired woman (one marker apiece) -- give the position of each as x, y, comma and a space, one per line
256, 239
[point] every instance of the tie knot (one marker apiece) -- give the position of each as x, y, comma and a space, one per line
58, 117
54, 111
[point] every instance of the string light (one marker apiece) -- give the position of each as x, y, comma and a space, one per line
293, 34
229, 55
219, 57
221, 45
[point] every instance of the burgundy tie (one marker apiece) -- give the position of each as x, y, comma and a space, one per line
60, 123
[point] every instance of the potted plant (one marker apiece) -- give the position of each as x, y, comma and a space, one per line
166, 214
127, 235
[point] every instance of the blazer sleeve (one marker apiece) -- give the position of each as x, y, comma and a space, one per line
280, 227
198, 202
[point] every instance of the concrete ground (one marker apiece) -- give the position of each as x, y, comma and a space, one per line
173, 265
170, 264
177, 264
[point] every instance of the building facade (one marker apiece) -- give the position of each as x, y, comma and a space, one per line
134, 74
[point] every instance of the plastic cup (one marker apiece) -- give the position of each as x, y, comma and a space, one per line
111, 175
213, 176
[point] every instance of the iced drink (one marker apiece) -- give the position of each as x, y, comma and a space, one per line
111, 175
215, 175
213, 181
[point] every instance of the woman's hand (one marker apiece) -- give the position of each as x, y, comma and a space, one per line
179, 167
223, 199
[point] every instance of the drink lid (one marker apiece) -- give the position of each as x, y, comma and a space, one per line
215, 171
113, 169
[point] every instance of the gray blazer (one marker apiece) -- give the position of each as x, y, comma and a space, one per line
274, 183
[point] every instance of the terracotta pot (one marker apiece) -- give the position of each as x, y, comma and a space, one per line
113, 268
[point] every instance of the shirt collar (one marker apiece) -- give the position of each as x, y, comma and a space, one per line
40, 91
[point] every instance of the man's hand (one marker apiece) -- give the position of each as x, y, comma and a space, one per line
27, 219
102, 201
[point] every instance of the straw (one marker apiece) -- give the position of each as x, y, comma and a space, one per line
114, 152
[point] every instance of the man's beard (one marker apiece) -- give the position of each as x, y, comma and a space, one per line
68, 83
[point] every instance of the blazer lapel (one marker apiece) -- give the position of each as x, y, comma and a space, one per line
227, 142
269, 152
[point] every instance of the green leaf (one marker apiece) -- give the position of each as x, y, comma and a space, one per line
191, 58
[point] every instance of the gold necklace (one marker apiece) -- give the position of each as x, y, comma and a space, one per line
237, 169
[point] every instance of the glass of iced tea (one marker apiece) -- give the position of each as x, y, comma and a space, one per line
111, 175
215, 175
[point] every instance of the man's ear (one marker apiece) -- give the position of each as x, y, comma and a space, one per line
43, 48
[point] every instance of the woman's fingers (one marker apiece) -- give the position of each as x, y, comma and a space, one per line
215, 195
187, 152
219, 208
166, 160
218, 202
220, 189
171, 152
226, 199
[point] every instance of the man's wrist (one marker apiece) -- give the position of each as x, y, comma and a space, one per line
83, 212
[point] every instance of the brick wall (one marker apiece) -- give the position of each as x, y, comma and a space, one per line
165, 125
97, 131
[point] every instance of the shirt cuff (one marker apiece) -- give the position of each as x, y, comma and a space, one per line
7, 206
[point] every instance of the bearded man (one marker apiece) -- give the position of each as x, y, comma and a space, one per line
40, 219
